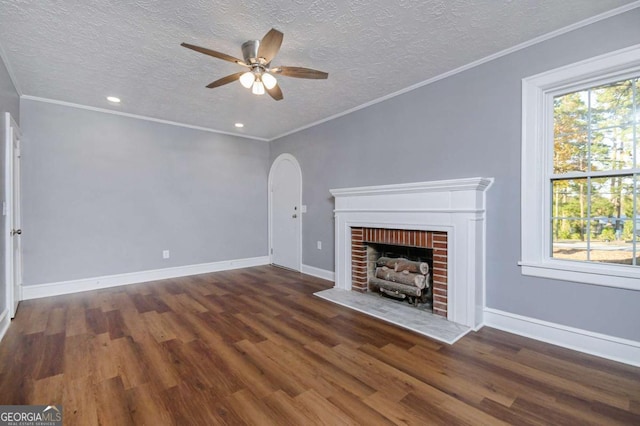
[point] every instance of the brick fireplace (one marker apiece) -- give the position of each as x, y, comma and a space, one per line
445, 216
432, 240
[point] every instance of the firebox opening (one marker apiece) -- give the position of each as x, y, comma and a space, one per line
401, 273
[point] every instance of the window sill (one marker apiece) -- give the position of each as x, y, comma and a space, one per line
607, 275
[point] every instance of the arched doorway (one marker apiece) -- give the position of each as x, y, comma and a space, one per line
285, 218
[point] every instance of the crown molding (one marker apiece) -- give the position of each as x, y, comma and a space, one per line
139, 117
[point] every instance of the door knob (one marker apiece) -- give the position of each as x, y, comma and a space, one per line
16, 231
294, 216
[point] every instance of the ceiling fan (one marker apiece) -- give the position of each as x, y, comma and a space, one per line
258, 55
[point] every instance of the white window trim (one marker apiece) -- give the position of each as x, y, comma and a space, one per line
537, 156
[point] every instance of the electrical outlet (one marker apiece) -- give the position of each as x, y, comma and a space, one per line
165, 254
319, 245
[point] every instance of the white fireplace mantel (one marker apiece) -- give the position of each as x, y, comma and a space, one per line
454, 206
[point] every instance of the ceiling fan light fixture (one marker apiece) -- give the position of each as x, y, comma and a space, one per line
257, 56
269, 81
247, 79
258, 88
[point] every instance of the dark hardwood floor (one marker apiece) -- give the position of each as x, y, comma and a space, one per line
254, 346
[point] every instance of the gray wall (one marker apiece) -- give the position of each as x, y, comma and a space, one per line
463, 126
105, 194
9, 102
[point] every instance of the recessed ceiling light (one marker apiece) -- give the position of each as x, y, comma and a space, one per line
113, 99
239, 125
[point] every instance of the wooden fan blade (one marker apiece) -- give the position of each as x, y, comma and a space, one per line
275, 93
225, 80
270, 45
300, 72
213, 53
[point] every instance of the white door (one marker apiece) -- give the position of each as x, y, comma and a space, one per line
285, 183
13, 244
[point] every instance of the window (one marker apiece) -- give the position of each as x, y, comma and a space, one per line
581, 171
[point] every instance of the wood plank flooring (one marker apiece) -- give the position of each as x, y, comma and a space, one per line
254, 346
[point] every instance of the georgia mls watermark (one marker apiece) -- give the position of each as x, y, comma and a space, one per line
30, 415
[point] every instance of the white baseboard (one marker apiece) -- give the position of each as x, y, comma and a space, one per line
319, 273
95, 283
602, 345
4, 323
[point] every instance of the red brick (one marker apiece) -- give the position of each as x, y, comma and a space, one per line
440, 265
440, 245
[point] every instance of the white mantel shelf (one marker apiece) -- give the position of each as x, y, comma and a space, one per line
454, 206
478, 184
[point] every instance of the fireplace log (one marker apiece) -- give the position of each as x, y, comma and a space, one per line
405, 277
389, 262
411, 266
392, 293
396, 287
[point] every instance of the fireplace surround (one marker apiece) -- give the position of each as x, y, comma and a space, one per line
433, 241
451, 208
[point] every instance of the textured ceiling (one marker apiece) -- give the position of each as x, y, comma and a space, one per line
83, 50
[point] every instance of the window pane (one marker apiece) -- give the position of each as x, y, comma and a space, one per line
570, 113
612, 197
612, 149
569, 198
570, 153
569, 239
612, 105
615, 248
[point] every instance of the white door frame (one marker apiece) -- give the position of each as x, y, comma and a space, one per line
280, 158
11, 129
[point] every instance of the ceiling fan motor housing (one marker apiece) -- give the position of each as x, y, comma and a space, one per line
250, 51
